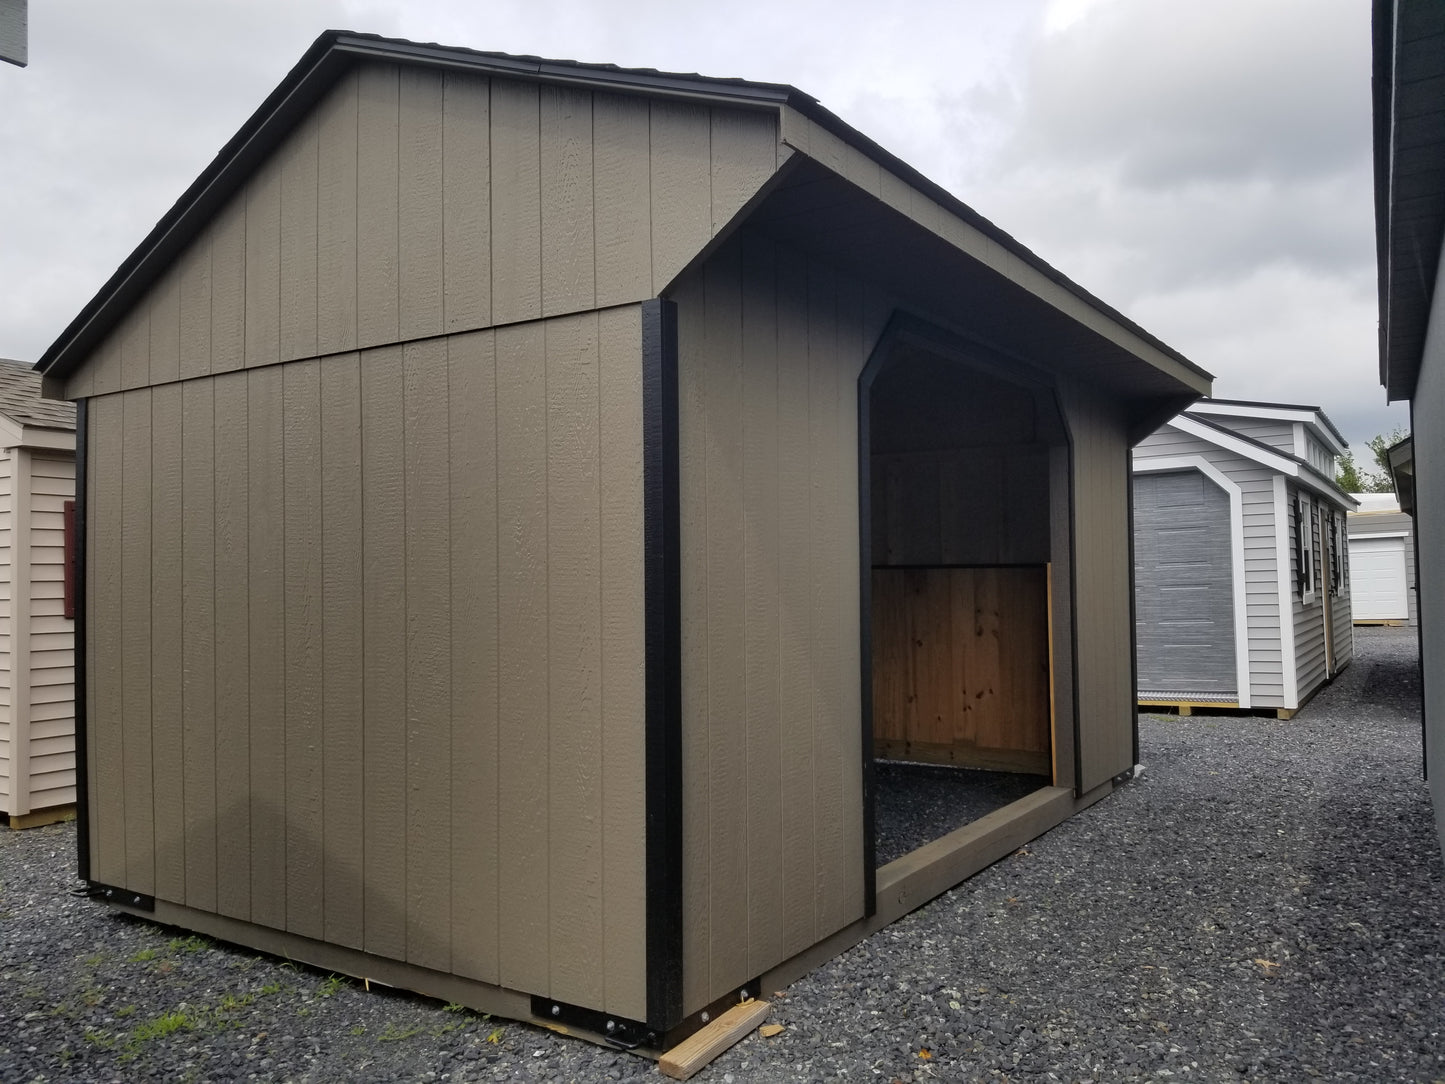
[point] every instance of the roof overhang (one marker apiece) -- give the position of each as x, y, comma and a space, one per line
1402, 472
1311, 416
1409, 138
953, 270
844, 196
1265, 456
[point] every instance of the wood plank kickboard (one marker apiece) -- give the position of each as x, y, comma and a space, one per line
698, 1050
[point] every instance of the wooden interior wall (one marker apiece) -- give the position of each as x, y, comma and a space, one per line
961, 667
771, 345
413, 202
367, 660
962, 506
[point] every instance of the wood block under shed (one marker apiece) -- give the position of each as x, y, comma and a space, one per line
695, 1052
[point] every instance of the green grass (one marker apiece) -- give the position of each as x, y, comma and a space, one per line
144, 956
332, 984
394, 1034
128, 1010
161, 1026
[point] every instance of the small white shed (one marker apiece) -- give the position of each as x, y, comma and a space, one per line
37, 658
1382, 562
1242, 586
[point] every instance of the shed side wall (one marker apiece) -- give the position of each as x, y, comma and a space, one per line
13, 800
1309, 617
50, 666
1102, 585
413, 202
770, 348
397, 645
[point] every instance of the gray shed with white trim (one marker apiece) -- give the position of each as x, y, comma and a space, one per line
1242, 594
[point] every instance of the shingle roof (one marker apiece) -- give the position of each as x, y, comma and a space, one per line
20, 399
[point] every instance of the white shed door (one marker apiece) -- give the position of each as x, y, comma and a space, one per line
1377, 579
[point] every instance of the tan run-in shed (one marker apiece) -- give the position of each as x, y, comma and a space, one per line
37, 626
497, 473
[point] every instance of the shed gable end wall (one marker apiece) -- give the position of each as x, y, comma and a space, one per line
366, 652
1263, 602
414, 202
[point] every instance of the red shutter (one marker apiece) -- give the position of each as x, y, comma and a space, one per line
70, 557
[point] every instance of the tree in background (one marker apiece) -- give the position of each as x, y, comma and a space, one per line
1347, 475
1352, 479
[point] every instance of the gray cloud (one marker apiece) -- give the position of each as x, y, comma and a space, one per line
1203, 167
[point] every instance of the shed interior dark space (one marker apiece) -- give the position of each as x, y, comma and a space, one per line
960, 549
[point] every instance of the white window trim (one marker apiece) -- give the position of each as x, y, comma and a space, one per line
1236, 553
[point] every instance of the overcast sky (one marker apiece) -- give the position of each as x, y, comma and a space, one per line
1202, 167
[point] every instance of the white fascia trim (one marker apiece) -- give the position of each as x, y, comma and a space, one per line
50, 440
1277, 414
1301, 445
1286, 594
1237, 445
1236, 553
1379, 534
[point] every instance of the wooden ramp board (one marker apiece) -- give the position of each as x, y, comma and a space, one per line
695, 1052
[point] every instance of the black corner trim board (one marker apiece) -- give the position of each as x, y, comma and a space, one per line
663, 637
82, 751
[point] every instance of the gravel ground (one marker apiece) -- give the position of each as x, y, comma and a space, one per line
914, 804
1264, 903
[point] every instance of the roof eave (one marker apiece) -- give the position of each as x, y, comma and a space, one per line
835, 125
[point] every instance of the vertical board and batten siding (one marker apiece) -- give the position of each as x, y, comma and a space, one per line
1103, 579
304, 696
1263, 605
48, 671
412, 202
770, 347
351, 671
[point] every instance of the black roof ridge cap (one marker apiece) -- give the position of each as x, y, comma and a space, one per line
637, 79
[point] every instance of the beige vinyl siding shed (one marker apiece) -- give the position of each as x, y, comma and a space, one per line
480, 510
37, 656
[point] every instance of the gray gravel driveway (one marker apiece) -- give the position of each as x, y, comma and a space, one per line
1265, 903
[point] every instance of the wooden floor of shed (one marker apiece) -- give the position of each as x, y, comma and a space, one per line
915, 804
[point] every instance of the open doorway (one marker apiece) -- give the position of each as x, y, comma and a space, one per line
962, 453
